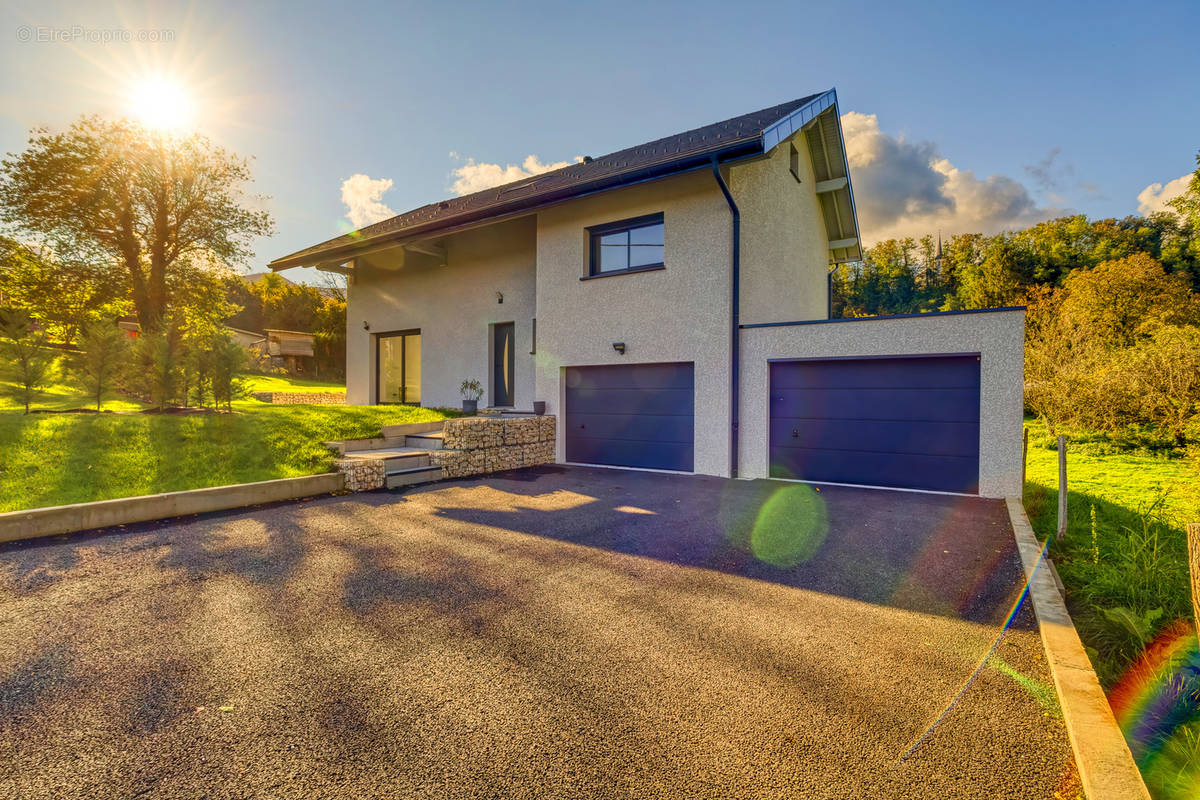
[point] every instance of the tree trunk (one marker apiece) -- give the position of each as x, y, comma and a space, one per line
1193, 539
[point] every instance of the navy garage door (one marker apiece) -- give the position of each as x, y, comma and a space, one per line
903, 422
630, 415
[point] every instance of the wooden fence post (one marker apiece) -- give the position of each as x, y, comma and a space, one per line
1062, 487
1024, 457
1193, 540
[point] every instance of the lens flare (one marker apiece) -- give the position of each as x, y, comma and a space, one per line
1155, 698
790, 527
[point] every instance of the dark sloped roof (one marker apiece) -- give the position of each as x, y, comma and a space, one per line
660, 157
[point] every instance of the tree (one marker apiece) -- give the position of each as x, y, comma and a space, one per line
145, 204
228, 359
1187, 205
98, 366
58, 297
1117, 302
1165, 372
25, 362
155, 370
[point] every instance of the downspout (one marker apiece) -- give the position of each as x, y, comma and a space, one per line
735, 319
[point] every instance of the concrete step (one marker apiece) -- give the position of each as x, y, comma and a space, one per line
412, 475
395, 458
424, 441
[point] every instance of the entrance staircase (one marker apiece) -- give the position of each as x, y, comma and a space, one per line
405, 456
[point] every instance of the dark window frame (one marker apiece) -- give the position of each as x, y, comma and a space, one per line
379, 337
595, 233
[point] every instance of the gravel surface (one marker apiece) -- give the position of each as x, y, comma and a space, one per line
552, 632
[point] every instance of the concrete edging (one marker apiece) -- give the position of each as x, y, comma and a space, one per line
54, 520
1106, 766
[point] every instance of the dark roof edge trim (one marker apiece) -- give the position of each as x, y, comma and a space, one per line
692, 162
918, 315
774, 133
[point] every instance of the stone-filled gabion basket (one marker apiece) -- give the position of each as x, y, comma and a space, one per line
475, 445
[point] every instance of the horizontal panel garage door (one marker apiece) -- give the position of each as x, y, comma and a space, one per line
630, 415
902, 422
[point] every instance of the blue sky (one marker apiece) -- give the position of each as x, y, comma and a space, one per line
965, 115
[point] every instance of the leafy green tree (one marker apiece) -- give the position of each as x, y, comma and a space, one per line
59, 297
26, 363
98, 366
148, 206
228, 360
156, 369
1187, 205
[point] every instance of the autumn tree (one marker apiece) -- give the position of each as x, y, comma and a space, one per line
146, 205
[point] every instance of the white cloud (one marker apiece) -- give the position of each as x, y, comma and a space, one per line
475, 176
1155, 196
905, 188
363, 197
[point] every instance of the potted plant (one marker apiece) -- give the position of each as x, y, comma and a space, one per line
471, 391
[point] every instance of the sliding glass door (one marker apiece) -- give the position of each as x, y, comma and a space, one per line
398, 368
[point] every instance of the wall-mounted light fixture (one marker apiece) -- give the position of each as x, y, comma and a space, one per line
366, 325
619, 347
499, 297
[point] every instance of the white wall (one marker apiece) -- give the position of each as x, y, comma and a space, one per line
681, 313
453, 307
998, 336
785, 250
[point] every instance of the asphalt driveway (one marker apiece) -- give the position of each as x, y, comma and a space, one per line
555, 632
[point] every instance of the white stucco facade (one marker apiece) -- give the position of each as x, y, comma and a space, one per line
453, 306
998, 337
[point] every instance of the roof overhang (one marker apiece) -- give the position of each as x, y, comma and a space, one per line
822, 123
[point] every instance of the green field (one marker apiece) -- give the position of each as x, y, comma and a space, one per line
1124, 564
54, 459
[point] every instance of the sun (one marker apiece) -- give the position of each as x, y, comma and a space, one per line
161, 103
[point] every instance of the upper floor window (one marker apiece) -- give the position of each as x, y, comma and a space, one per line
630, 245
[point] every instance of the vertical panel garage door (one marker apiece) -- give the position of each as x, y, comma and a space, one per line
903, 422
630, 415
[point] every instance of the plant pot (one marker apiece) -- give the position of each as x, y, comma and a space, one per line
539, 407
470, 406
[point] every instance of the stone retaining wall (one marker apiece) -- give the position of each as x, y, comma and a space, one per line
475, 445
301, 398
362, 474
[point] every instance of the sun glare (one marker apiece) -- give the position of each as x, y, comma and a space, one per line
161, 103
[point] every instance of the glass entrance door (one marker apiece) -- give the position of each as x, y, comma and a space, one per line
398, 368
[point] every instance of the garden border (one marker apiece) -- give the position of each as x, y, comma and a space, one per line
54, 520
1106, 766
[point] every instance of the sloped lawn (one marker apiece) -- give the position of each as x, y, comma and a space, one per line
55, 459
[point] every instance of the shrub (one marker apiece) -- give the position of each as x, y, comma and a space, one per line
227, 359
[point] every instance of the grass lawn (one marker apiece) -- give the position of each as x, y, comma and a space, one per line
54, 459
284, 383
1124, 564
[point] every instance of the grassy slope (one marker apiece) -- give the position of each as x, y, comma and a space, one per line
53, 459
1137, 560
276, 383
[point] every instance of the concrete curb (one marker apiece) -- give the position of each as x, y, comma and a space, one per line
55, 520
1106, 767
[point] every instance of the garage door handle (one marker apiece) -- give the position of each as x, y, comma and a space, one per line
795, 433
582, 426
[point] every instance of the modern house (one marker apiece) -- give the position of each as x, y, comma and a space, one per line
669, 303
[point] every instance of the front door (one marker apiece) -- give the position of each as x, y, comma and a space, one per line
503, 360
398, 368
